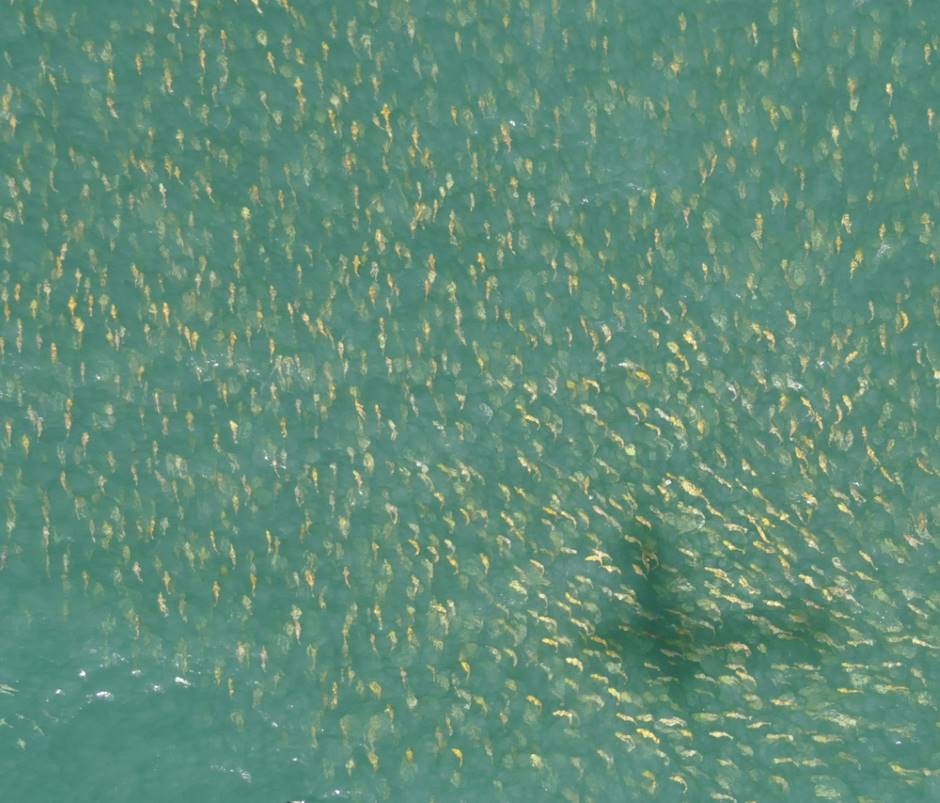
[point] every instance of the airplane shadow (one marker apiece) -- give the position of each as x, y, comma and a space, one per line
669, 637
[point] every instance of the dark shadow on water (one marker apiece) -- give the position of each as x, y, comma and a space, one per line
656, 639
668, 639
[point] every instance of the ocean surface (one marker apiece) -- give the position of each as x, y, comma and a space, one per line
448, 400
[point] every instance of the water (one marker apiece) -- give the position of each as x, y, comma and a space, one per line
516, 401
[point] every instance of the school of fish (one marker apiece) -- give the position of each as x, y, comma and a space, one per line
502, 396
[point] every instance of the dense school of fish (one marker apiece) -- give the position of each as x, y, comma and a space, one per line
562, 378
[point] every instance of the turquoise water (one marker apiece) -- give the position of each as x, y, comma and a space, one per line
469, 401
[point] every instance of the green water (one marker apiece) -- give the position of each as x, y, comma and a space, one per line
514, 401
